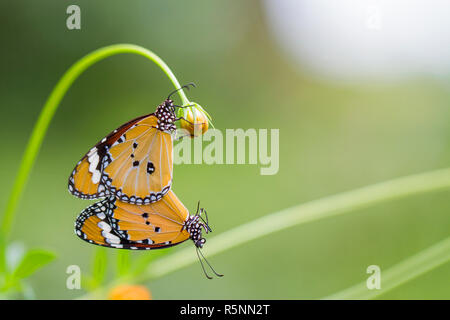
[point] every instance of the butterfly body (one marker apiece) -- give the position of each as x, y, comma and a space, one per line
133, 163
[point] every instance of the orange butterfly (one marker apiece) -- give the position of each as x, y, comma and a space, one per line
165, 223
133, 163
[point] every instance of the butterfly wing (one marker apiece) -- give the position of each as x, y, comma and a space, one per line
116, 224
134, 163
139, 169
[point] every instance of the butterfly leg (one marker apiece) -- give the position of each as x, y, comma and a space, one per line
181, 118
182, 137
183, 107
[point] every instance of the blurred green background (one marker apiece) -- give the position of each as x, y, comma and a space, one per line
334, 137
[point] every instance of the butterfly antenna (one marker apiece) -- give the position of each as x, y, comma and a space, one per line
206, 216
186, 86
206, 222
217, 274
198, 208
201, 263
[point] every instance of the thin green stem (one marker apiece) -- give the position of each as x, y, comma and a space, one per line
311, 211
50, 108
409, 269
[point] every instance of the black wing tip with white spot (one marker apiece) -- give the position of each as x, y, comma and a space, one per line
99, 209
101, 193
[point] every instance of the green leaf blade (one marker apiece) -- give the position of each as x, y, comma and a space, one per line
32, 261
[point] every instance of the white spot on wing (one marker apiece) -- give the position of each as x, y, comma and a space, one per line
96, 177
111, 239
104, 226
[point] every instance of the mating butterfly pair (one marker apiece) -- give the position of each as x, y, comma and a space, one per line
132, 168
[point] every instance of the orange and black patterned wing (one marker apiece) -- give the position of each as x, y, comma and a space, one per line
133, 163
139, 169
116, 224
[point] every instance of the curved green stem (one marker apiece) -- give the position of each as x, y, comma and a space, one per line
51, 106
